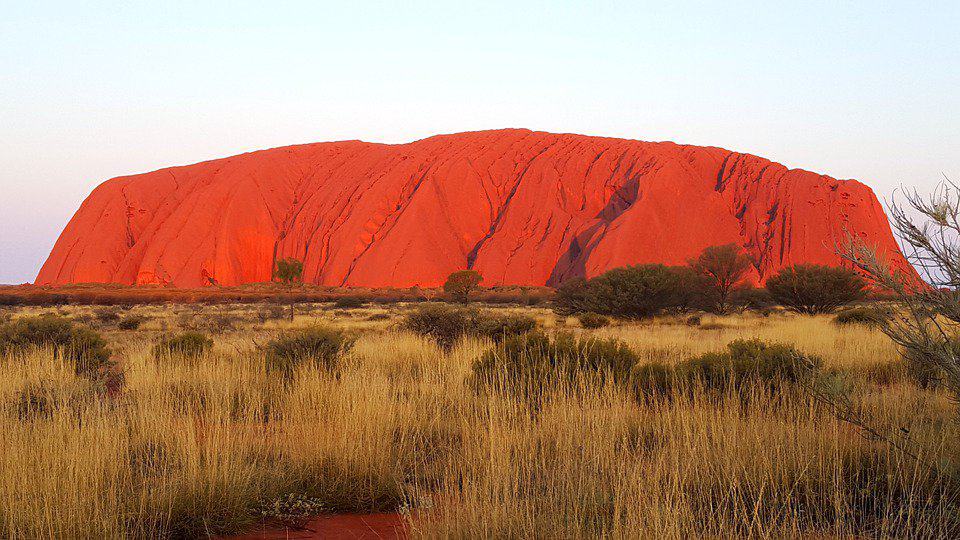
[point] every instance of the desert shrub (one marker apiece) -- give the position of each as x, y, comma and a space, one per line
443, 324
378, 317
692, 291
867, 316
574, 296
814, 288
499, 327
81, 346
314, 346
266, 313
713, 326
593, 320
694, 320
446, 325
460, 285
524, 364
747, 297
131, 322
632, 292
186, 345
10, 300
349, 302
744, 362
106, 316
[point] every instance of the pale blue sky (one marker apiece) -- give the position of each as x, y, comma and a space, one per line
91, 90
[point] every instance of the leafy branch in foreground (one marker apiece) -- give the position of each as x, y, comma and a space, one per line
925, 323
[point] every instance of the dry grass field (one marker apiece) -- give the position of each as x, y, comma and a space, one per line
192, 448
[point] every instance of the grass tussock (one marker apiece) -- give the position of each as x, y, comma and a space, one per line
374, 417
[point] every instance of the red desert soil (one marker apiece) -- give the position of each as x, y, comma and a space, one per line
339, 527
520, 207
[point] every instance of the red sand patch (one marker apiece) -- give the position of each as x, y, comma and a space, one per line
338, 527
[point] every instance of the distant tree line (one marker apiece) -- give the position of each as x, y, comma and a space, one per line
714, 281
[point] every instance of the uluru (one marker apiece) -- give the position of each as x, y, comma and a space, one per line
519, 206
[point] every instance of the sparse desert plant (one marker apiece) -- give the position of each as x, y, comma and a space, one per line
218, 323
82, 347
529, 363
593, 320
745, 362
867, 316
106, 315
814, 288
266, 313
460, 285
186, 345
349, 302
443, 324
499, 327
131, 322
315, 346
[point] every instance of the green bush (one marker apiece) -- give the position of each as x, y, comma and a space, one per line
131, 322
314, 346
523, 364
500, 327
747, 297
187, 345
866, 316
106, 316
446, 325
593, 320
744, 362
632, 292
81, 346
349, 302
443, 324
814, 288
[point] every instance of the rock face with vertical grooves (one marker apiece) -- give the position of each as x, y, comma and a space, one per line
520, 207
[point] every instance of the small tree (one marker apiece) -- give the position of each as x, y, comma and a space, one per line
814, 288
461, 284
722, 268
289, 271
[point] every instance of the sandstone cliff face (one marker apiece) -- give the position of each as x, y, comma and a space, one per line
520, 207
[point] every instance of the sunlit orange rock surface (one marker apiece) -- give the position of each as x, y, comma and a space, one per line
520, 207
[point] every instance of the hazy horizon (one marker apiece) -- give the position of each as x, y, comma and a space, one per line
96, 91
